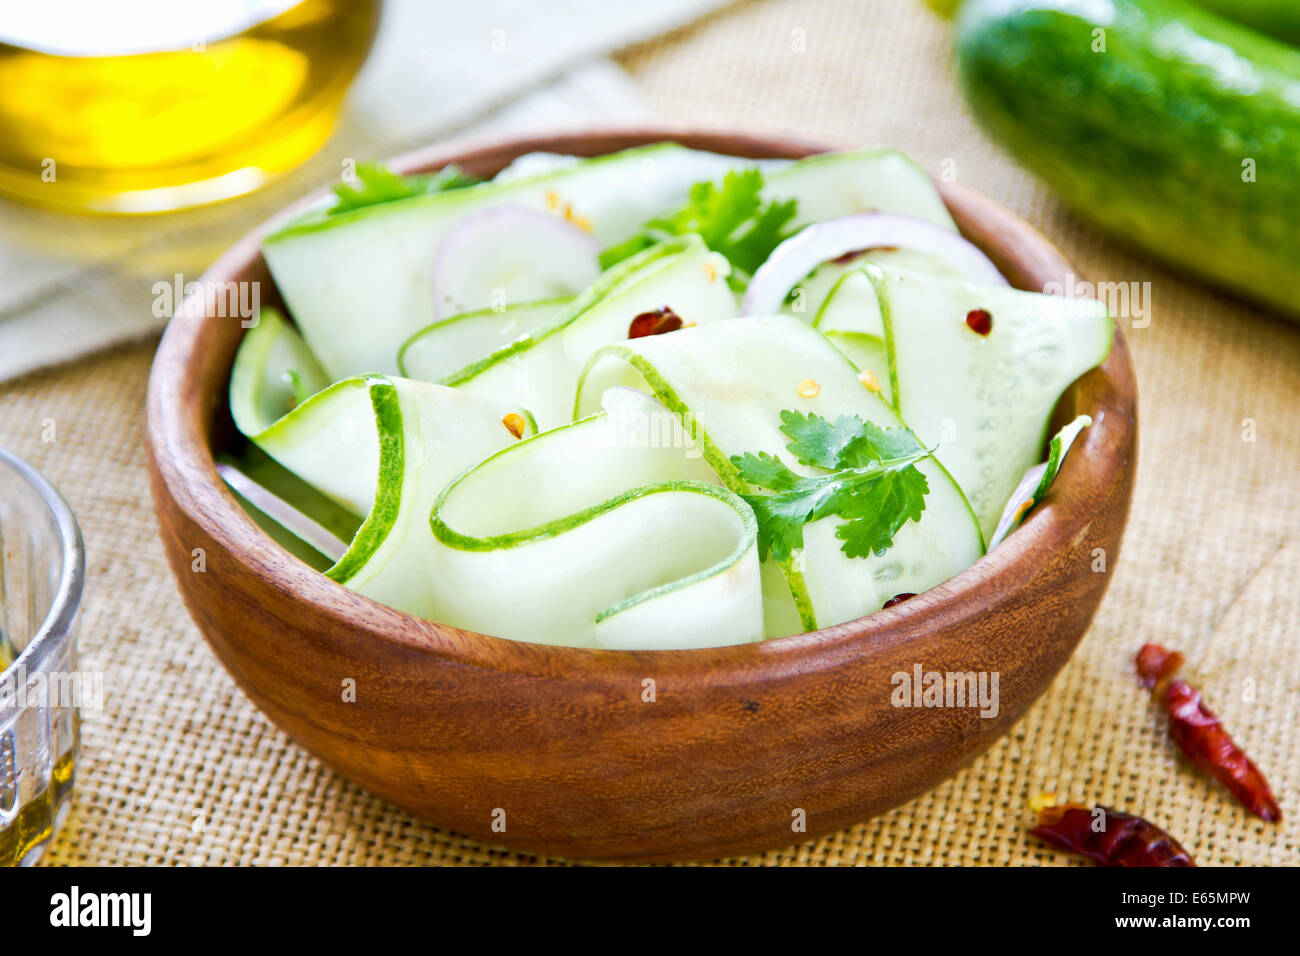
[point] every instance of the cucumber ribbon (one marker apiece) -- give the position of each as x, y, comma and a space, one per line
730, 381
537, 473
646, 552
1037, 481
484, 526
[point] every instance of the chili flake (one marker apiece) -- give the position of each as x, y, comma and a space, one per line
1023, 509
582, 222
514, 424
979, 321
1041, 801
899, 598
654, 323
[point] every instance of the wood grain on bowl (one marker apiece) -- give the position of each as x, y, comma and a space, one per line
654, 755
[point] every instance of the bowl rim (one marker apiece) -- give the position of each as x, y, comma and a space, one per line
185, 467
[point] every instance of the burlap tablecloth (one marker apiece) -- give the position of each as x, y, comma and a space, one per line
181, 769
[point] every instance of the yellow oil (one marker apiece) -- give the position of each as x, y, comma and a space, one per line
35, 821
193, 119
61, 779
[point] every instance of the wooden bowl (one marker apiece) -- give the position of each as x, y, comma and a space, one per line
556, 750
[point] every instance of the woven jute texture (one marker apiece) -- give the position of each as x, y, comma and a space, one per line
181, 769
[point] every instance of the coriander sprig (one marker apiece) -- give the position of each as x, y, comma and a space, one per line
732, 220
374, 183
871, 481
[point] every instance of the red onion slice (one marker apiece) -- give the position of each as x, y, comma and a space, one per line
512, 250
821, 242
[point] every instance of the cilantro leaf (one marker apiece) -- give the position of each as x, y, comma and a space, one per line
625, 250
731, 220
869, 478
780, 524
755, 245
766, 470
375, 183
880, 509
816, 441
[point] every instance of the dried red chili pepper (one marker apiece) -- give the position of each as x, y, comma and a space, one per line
1113, 838
654, 323
1156, 664
1201, 736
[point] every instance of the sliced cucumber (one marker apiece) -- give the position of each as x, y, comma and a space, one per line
432, 354
1033, 487
645, 551
359, 283
851, 306
730, 381
335, 425
536, 164
781, 617
808, 298
386, 448
540, 370
984, 400
274, 371
832, 185
867, 353
850, 319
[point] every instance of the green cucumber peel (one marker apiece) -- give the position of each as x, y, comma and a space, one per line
327, 219
520, 313
388, 485
720, 462
1036, 483
274, 372
540, 371
637, 268
768, 356
983, 398
493, 526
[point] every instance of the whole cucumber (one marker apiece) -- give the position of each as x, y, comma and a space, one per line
1277, 18
1163, 124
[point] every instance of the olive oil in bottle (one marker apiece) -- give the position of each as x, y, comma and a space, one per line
150, 105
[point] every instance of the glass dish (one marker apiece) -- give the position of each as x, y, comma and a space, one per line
42, 571
144, 106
